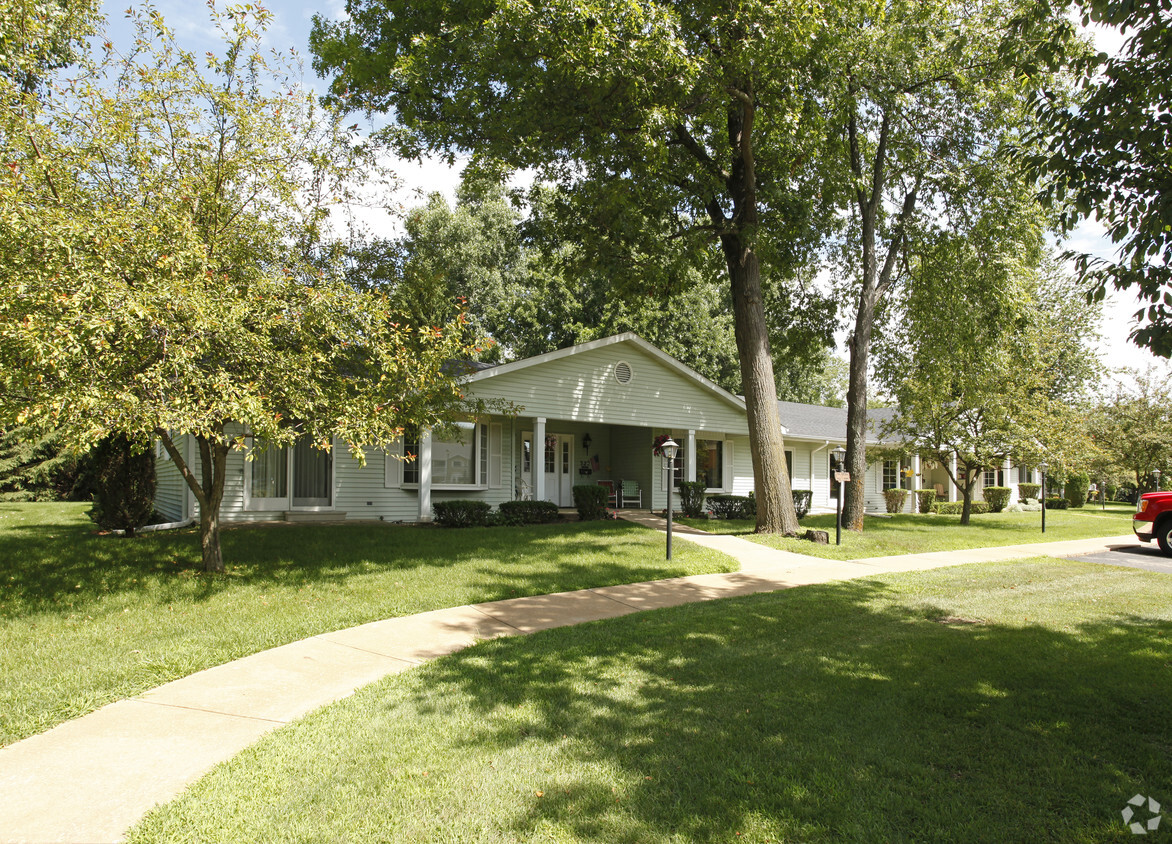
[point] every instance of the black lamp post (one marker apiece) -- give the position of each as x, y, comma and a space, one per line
1042, 467
669, 449
839, 454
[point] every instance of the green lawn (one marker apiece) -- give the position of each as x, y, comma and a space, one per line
1011, 702
912, 534
89, 619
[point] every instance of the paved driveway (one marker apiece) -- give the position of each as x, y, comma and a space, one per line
1138, 556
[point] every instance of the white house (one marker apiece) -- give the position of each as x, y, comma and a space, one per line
588, 413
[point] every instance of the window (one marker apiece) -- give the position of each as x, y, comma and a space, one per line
994, 477
789, 465
551, 455
270, 471
460, 461
454, 461
527, 453
411, 451
710, 463
834, 485
890, 474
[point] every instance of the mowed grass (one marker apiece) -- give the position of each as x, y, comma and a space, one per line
1007, 702
88, 619
884, 536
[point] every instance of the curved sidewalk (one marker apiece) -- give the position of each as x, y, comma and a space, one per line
88, 780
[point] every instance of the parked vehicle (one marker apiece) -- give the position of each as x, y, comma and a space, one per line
1153, 519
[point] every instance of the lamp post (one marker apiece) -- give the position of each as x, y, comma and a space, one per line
669, 449
1156, 474
839, 454
1042, 467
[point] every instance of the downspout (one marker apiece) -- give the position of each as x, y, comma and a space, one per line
163, 526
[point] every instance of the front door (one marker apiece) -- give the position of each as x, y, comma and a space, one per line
559, 480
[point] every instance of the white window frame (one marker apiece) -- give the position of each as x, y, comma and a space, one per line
481, 438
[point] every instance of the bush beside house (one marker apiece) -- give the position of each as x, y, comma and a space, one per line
926, 499
997, 497
590, 499
895, 499
124, 484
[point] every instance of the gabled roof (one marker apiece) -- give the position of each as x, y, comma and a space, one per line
628, 337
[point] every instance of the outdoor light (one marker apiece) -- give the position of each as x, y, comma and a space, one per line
586, 441
1156, 474
839, 455
1042, 469
669, 448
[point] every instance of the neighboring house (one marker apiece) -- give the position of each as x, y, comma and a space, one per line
585, 414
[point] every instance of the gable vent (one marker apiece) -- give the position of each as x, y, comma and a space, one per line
622, 372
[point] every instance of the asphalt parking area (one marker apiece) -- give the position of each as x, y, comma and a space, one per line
1138, 556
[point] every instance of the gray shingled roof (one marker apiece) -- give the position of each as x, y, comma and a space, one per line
829, 423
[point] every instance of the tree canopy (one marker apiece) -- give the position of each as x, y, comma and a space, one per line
1106, 157
166, 264
695, 116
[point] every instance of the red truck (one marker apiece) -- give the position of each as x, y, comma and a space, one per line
1153, 519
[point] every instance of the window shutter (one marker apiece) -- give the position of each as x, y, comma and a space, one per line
393, 470
727, 471
494, 455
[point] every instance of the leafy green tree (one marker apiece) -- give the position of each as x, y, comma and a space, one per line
970, 355
165, 268
696, 116
38, 37
1132, 427
1108, 158
926, 93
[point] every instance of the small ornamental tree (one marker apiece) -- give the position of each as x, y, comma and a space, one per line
124, 492
165, 267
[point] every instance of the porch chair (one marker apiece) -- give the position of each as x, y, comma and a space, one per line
611, 493
630, 492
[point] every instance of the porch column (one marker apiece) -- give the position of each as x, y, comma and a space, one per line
951, 485
1005, 468
690, 457
539, 458
917, 482
424, 459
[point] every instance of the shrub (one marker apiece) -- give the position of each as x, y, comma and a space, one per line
955, 508
802, 500
461, 512
528, 512
997, 497
1025, 491
1055, 502
1111, 491
895, 499
692, 499
124, 489
926, 499
732, 507
1076, 490
590, 499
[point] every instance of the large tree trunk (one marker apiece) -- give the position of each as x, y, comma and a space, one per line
856, 414
775, 504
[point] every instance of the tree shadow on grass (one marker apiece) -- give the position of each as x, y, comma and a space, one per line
829, 713
65, 561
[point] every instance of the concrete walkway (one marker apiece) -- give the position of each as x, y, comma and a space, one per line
88, 780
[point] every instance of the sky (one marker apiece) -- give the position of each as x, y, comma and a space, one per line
290, 29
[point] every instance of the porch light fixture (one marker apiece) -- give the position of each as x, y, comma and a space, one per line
839, 455
669, 449
586, 441
1042, 469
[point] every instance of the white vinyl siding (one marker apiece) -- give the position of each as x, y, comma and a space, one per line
582, 387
